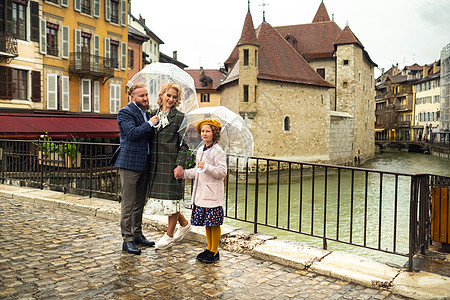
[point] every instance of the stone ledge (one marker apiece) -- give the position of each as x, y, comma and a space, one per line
355, 269
422, 285
289, 253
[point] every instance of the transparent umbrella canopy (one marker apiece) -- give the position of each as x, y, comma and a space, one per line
157, 74
235, 137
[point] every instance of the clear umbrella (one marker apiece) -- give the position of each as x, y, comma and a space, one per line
157, 74
235, 137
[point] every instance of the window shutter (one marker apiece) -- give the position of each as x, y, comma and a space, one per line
77, 5
112, 96
65, 42
96, 96
65, 93
8, 19
52, 91
35, 86
65, 3
34, 21
96, 52
118, 98
123, 10
97, 8
107, 52
77, 48
85, 95
43, 37
108, 10
123, 63
5, 82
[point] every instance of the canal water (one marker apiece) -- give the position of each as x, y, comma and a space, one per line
353, 219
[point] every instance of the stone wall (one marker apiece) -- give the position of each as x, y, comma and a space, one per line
356, 96
341, 137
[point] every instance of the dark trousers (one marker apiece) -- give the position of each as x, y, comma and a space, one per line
134, 193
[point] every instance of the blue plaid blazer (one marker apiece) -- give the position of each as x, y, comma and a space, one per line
135, 138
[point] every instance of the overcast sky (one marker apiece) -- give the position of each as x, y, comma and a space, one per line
204, 32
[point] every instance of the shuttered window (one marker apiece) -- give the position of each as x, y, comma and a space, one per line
77, 5
97, 8
85, 95
52, 91
107, 48
34, 21
123, 62
108, 10
123, 12
5, 82
43, 37
65, 92
35, 86
65, 42
114, 98
96, 96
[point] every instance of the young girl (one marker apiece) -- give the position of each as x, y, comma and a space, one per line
207, 195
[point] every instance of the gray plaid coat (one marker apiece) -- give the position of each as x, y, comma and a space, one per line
168, 151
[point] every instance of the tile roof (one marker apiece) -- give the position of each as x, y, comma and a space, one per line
216, 76
347, 37
321, 14
248, 35
314, 40
134, 32
281, 62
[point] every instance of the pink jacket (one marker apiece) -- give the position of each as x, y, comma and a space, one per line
208, 183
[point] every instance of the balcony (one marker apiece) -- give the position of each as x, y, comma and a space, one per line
8, 47
404, 123
86, 64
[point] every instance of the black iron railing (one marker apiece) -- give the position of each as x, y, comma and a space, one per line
383, 211
86, 63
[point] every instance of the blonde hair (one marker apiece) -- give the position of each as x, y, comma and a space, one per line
167, 87
135, 87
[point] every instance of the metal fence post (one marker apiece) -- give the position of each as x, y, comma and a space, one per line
255, 221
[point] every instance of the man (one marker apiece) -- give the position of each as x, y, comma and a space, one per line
133, 161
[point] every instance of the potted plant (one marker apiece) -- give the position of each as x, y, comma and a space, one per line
58, 154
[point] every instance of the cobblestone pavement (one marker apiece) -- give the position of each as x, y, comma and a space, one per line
47, 253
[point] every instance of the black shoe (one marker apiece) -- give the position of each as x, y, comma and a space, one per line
131, 247
143, 241
210, 257
202, 255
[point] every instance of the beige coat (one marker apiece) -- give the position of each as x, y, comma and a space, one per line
208, 183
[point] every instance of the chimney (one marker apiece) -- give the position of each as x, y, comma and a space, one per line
434, 67
425, 71
174, 55
201, 71
141, 19
382, 71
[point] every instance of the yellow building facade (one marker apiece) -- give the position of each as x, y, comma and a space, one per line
84, 48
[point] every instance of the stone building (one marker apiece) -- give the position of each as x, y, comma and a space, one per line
306, 91
444, 135
427, 106
206, 85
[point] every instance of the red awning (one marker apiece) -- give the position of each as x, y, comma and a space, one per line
32, 126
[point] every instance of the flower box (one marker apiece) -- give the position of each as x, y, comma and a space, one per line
55, 160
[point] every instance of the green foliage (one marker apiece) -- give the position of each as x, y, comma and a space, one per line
190, 160
61, 148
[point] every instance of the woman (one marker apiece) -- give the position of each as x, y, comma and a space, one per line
168, 160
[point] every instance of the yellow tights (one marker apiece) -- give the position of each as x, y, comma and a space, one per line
212, 238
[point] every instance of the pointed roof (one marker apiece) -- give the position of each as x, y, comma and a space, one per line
248, 35
279, 61
321, 14
348, 37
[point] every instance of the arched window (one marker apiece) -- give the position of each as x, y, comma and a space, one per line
287, 123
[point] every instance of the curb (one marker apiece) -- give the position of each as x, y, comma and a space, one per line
352, 268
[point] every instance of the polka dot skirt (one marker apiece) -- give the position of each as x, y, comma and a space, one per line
203, 216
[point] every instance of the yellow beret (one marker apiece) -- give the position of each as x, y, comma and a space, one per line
208, 122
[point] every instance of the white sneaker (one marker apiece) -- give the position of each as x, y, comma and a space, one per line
164, 242
181, 232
